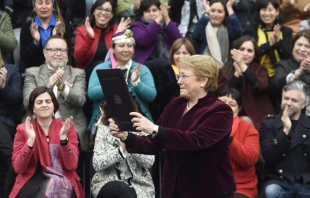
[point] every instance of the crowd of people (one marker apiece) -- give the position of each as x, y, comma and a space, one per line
220, 88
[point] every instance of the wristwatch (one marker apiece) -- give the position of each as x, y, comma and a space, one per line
154, 132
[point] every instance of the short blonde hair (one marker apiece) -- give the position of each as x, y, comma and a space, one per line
203, 66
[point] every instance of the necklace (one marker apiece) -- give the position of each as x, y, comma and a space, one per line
187, 107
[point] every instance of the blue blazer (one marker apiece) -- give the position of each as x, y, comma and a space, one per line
144, 93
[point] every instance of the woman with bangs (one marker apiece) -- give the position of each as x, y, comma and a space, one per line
216, 30
47, 21
244, 73
272, 38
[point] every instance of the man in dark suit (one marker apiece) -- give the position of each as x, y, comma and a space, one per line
285, 145
68, 84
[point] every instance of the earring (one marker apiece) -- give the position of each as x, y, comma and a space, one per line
53, 115
34, 116
201, 86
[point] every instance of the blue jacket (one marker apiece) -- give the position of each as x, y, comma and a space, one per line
143, 93
199, 34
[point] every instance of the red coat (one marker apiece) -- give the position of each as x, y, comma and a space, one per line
24, 159
197, 148
244, 152
255, 100
85, 47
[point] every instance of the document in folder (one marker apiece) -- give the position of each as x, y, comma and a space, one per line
117, 95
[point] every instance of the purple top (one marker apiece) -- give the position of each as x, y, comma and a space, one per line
145, 36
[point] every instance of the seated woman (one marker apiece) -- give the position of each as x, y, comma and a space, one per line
154, 32
244, 73
47, 21
93, 40
273, 39
214, 38
119, 174
244, 147
297, 67
45, 153
138, 77
164, 74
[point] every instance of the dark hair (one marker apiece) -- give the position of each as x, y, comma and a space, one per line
177, 45
106, 112
228, 66
99, 3
223, 2
55, 37
303, 33
38, 91
233, 93
144, 6
260, 4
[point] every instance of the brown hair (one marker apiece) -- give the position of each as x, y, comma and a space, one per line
38, 91
303, 33
106, 112
203, 66
177, 45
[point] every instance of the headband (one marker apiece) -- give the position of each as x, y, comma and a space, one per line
120, 37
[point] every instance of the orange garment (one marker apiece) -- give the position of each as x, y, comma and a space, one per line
244, 152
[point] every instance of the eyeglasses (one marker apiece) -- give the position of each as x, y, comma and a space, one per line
101, 9
55, 50
183, 76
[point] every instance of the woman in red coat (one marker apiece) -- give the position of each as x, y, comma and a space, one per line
244, 147
45, 153
244, 73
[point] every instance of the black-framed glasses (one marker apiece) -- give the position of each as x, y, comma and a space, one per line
182, 76
106, 10
55, 50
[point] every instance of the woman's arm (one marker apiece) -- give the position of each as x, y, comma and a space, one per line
258, 78
235, 29
8, 41
145, 35
82, 46
146, 161
245, 154
146, 88
70, 152
21, 152
171, 33
12, 92
106, 150
95, 92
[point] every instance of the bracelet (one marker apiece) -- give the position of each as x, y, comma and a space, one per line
207, 13
64, 142
61, 89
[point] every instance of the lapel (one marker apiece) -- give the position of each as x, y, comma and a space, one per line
67, 75
302, 131
44, 74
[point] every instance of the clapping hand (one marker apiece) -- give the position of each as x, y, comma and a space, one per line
287, 124
275, 36
3, 73
60, 75
65, 127
238, 59
30, 132
34, 30
136, 73
307, 8
164, 9
88, 28
206, 5
57, 28
123, 24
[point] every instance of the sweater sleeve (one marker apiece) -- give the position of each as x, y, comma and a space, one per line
245, 154
145, 35
8, 41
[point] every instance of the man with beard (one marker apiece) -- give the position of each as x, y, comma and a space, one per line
68, 84
285, 145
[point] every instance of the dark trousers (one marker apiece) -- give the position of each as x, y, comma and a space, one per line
117, 189
6, 148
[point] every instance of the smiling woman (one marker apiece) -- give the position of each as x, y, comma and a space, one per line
47, 21
244, 73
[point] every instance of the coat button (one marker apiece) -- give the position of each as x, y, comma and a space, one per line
280, 171
304, 136
305, 154
283, 154
275, 142
281, 177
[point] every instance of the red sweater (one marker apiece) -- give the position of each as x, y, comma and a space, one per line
85, 47
244, 152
